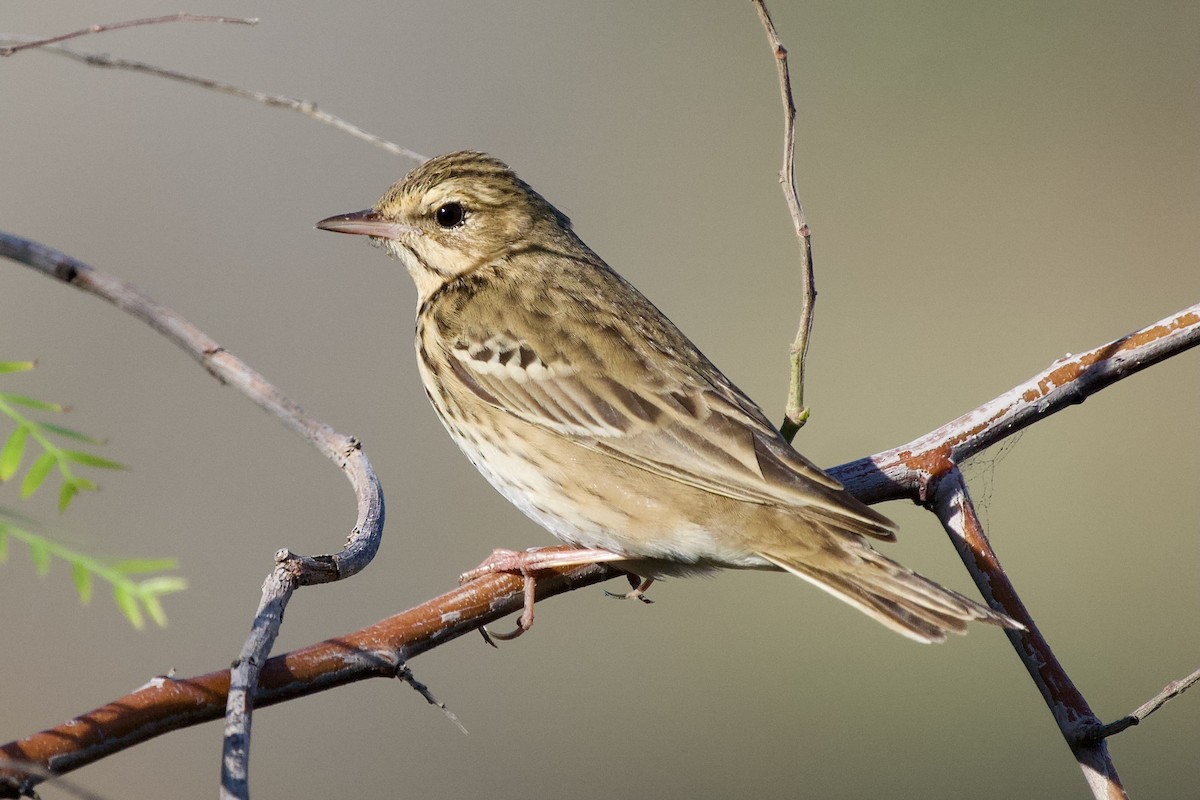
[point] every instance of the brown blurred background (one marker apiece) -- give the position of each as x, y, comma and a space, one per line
990, 187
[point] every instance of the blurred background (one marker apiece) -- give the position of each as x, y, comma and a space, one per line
990, 186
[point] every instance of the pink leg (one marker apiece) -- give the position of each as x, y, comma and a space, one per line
527, 562
523, 624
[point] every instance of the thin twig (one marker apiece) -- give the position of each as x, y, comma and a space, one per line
405, 674
291, 571
182, 16
305, 107
795, 412
1169, 692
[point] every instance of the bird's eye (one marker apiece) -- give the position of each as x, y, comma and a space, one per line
449, 215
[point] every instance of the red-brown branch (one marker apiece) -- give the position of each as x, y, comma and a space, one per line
909, 470
951, 501
379, 651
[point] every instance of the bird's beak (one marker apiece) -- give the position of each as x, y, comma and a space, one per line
365, 223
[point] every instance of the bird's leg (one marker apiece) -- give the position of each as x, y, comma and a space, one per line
527, 562
524, 623
639, 585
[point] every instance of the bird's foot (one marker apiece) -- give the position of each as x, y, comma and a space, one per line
526, 563
529, 561
639, 590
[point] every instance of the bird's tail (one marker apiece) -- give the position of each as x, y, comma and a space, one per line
894, 595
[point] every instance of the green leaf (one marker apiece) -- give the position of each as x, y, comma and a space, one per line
37, 474
129, 606
80, 457
13, 452
66, 493
17, 366
155, 610
71, 433
3, 543
39, 553
163, 584
30, 402
82, 577
135, 565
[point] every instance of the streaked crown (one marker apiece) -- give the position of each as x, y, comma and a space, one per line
457, 212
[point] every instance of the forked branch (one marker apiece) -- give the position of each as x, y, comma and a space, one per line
291, 571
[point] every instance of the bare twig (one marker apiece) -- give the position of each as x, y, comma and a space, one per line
291, 571
951, 501
795, 412
405, 674
182, 16
305, 107
1169, 692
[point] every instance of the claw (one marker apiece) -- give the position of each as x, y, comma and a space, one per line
488, 636
526, 620
638, 592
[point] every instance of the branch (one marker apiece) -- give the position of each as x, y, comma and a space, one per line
378, 651
795, 412
1169, 692
182, 16
951, 501
306, 107
382, 649
291, 570
925, 470
908, 471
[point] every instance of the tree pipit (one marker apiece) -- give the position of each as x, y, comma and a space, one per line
592, 413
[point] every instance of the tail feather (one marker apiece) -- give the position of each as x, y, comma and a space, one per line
890, 593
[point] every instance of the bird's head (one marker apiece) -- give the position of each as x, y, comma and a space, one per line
453, 214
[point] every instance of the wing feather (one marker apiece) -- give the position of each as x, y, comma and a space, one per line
691, 426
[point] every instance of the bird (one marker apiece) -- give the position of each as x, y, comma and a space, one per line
592, 413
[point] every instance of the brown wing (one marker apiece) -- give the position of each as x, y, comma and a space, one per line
639, 391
